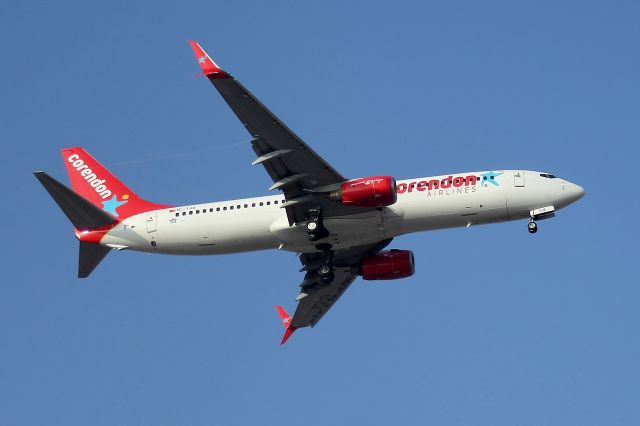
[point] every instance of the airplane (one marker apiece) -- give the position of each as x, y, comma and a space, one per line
340, 227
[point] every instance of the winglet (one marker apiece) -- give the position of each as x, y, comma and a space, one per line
208, 67
286, 322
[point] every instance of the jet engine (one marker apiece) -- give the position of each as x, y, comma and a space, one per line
375, 191
388, 265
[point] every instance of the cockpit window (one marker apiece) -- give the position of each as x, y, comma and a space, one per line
548, 175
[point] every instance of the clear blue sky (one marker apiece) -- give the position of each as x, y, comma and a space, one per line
497, 327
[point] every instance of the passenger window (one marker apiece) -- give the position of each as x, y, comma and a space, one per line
246, 205
224, 208
184, 213
253, 204
238, 206
231, 208
211, 210
268, 203
217, 209
190, 211
177, 214
261, 204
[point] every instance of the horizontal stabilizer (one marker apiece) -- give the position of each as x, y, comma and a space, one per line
90, 255
82, 213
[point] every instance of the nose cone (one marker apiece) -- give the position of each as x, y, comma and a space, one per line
573, 192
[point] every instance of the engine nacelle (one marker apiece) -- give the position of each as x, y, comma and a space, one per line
388, 265
374, 191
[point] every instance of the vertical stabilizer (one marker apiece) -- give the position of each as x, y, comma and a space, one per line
99, 186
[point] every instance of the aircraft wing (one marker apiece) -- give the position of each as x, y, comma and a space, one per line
293, 166
316, 298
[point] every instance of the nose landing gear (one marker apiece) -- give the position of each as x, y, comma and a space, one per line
539, 214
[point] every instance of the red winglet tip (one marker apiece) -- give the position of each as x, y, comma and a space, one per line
283, 314
287, 333
286, 322
208, 67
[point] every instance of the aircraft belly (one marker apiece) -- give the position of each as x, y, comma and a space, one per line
241, 233
344, 231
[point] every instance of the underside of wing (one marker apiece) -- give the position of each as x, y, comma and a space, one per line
294, 167
318, 297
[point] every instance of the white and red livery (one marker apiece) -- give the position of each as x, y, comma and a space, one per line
339, 226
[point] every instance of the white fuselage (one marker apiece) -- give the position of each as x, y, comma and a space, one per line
423, 204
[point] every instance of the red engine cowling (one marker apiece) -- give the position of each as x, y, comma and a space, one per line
388, 265
374, 191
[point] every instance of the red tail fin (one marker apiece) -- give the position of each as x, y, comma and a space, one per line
94, 182
286, 321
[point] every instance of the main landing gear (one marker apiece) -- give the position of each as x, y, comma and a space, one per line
532, 226
325, 271
314, 226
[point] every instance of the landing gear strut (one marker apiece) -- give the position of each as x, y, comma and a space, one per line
532, 226
314, 226
325, 271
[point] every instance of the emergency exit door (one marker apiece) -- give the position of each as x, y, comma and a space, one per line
518, 178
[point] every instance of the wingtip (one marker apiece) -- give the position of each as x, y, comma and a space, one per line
287, 333
286, 322
282, 313
207, 65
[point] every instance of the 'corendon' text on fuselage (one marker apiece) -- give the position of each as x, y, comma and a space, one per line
446, 186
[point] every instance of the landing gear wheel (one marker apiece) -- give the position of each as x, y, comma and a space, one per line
314, 226
326, 273
532, 227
